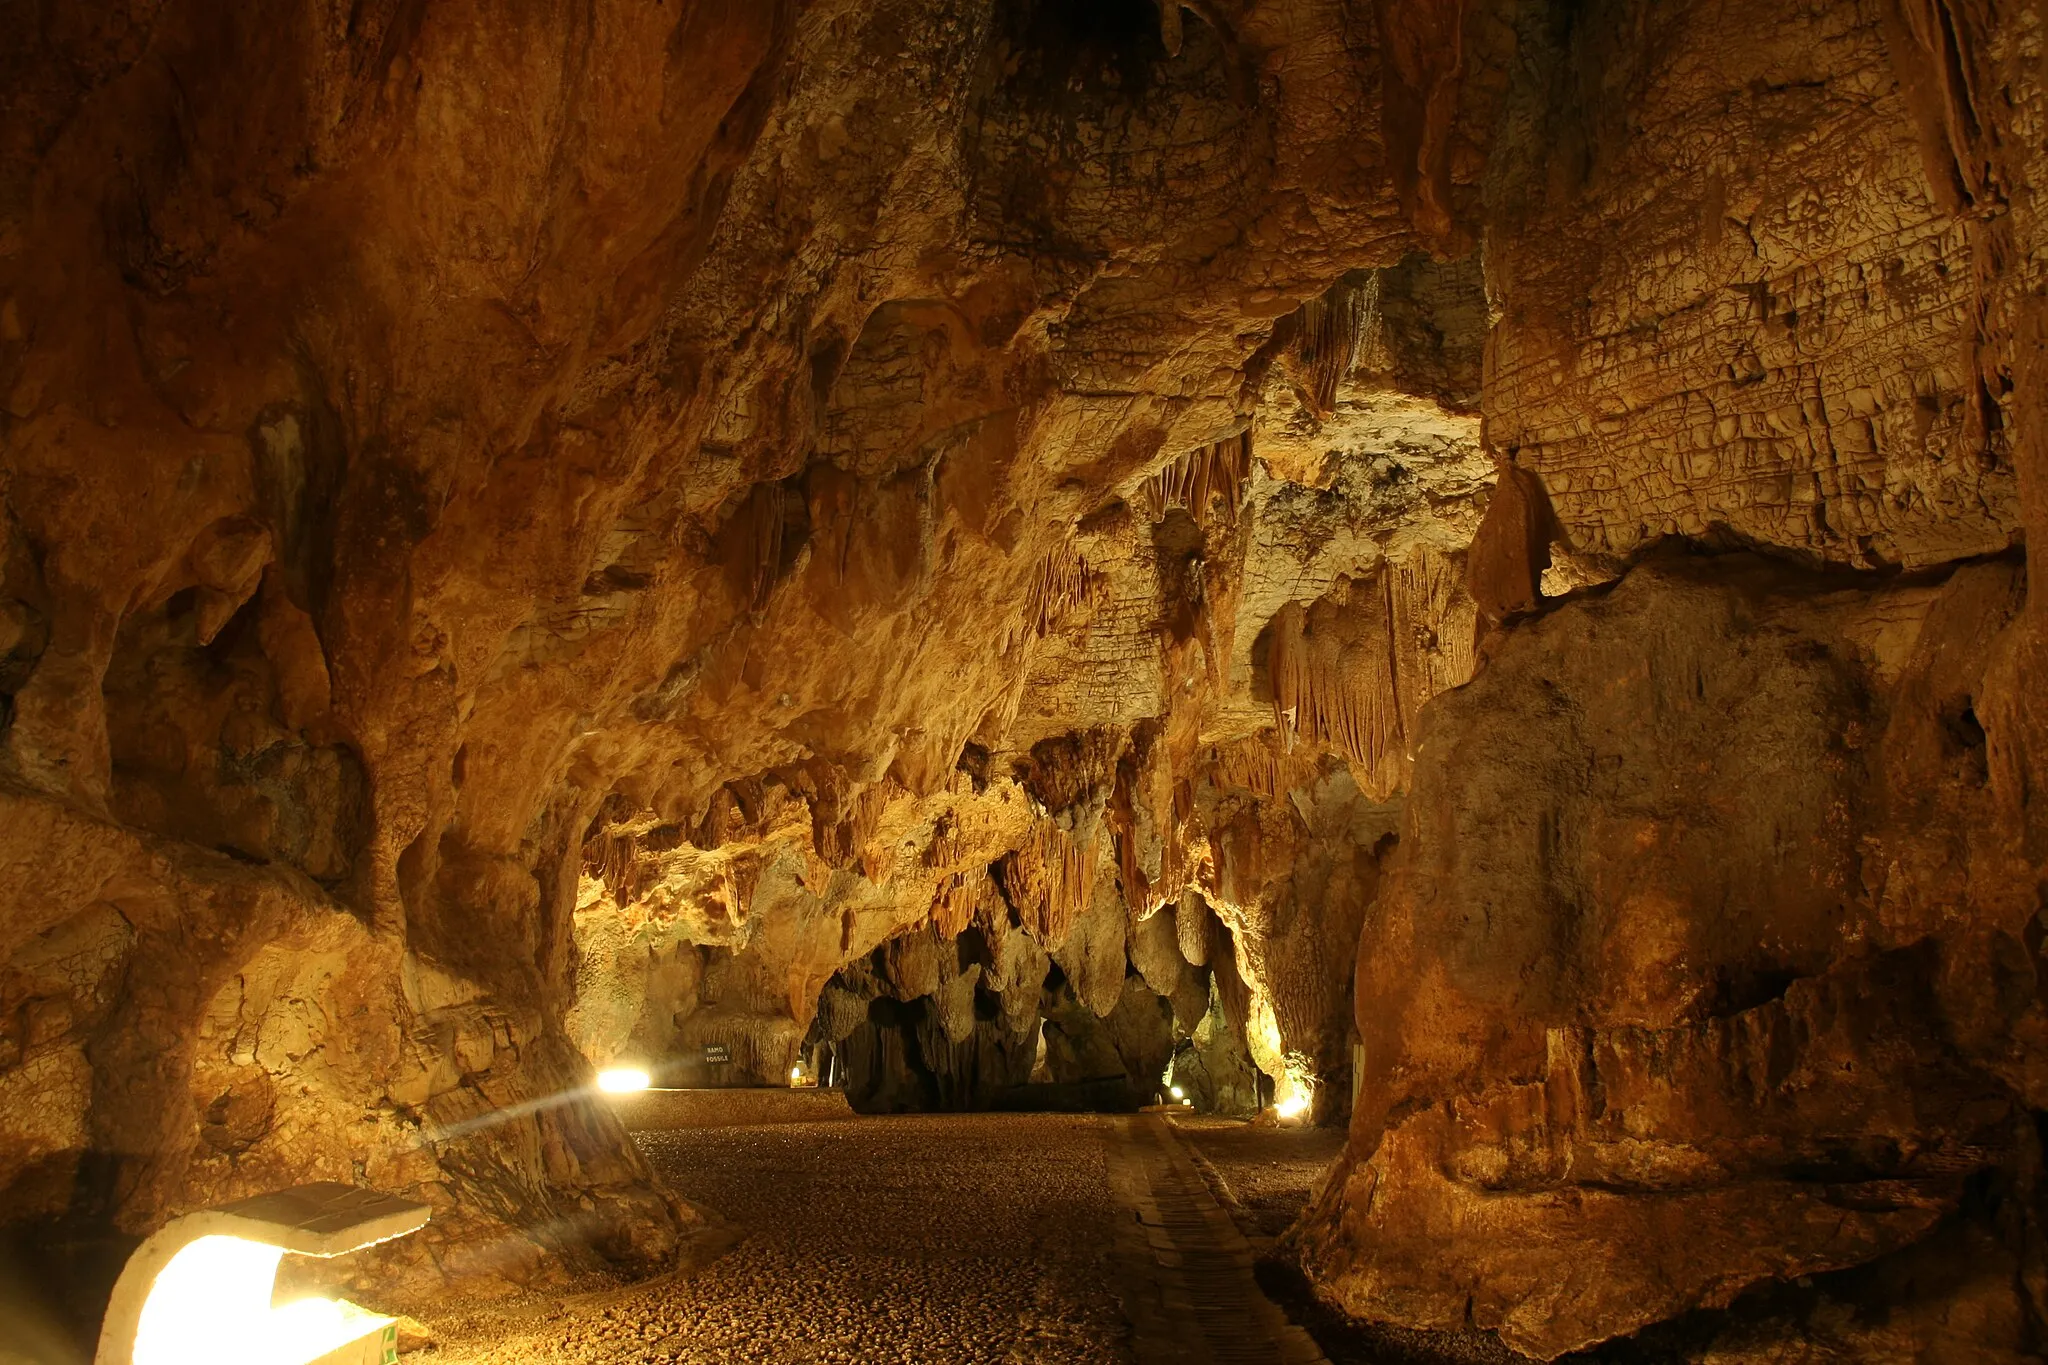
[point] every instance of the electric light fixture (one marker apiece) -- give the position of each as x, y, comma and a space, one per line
198, 1292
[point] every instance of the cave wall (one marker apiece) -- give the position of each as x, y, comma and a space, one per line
539, 540
1704, 975
411, 493
1698, 1013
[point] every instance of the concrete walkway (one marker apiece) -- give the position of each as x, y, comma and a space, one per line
1185, 1268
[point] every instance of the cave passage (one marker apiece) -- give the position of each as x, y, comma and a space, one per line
976, 1239
1339, 666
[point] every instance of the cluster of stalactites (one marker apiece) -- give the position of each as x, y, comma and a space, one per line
1327, 334
1049, 880
1061, 585
1350, 671
614, 859
1337, 689
1267, 770
958, 898
1208, 481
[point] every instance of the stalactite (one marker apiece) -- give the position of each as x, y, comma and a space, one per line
1327, 333
1207, 480
614, 859
1350, 673
1177, 869
1194, 928
1434, 625
737, 879
1184, 664
955, 902
1016, 960
1241, 864
845, 818
1337, 688
768, 529
1049, 880
1073, 769
751, 544
728, 816
876, 856
1062, 585
1262, 765
946, 846
831, 835
1121, 816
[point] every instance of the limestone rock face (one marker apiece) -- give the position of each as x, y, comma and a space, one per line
1698, 1012
1705, 961
1468, 556
1716, 246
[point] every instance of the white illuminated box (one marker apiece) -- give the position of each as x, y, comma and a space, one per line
207, 1279
375, 1342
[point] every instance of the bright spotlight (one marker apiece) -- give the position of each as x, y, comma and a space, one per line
622, 1080
210, 1281
221, 1286
199, 1290
1293, 1107
1179, 1093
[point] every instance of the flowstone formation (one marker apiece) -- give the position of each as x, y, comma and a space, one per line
1453, 562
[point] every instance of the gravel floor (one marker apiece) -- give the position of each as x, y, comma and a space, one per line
1271, 1170
951, 1239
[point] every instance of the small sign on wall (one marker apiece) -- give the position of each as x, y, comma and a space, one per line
716, 1052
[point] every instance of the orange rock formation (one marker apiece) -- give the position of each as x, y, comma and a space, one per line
534, 537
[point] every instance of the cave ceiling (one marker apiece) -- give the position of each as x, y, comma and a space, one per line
1467, 554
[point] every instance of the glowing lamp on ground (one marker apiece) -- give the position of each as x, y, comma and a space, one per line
1179, 1093
1294, 1090
198, 1292
623, 1080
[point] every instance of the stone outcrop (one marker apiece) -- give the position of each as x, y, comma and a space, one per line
1704, 963
1699, 1013
1468, 556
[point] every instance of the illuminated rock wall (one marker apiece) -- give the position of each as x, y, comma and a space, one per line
535, 540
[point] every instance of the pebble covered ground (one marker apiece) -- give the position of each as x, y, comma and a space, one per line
1271, 1174
929, 1239
1271, 1170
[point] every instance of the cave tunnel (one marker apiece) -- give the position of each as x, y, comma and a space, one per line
1022, 682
